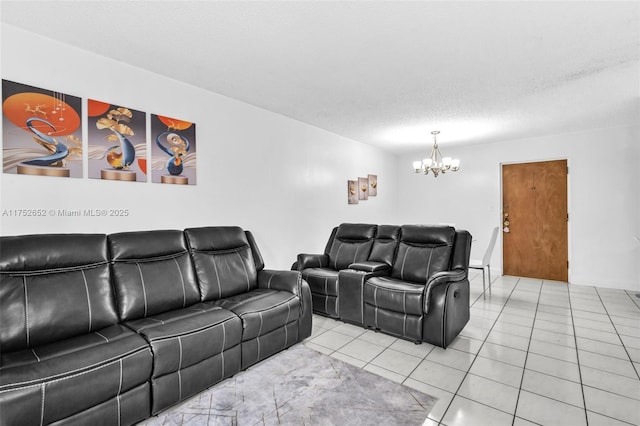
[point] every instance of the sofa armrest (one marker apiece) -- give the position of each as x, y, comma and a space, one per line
350, 295
280, 280
370, 266
292, 282
441, 278
312, 261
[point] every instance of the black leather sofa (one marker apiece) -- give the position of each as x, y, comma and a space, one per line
110, 329
409, 281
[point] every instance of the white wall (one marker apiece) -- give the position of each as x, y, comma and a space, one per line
283, 180
286, 181
604, 198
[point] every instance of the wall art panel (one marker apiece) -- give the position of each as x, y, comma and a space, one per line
373, 185
363, 188
41, 131
352, 191
117, 142
173, 150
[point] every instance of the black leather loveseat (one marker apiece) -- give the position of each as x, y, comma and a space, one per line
409, 281
110, 329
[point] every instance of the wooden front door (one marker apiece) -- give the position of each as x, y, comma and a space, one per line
534, 205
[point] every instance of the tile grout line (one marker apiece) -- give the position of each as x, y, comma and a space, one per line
617, 334
616, 329
575, 338
580, 371
425, 357
358, 337
526, 357
498, 314
631, 297
444, 413
577, 364
330, 329
383, 349
431, 350
404, 353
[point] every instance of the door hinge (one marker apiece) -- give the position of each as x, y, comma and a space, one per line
567, 217
567, 169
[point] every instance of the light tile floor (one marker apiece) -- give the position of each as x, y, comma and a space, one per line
533, 352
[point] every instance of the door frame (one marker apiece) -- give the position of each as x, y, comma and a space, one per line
569, 212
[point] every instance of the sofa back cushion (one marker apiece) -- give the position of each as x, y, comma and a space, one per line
385, 244
461, 250
257, 256
423, 251
152, 273
53, 287
351, 243
223, 261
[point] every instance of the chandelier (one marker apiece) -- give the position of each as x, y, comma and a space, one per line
436, 163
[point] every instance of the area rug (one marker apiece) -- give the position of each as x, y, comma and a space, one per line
301, 386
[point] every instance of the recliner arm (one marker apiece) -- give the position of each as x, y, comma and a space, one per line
312, 261
281, 280
351, 292
439, 279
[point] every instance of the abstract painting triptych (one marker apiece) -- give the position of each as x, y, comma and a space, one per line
42, 135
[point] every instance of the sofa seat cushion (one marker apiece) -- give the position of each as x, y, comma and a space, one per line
57, 380
394, 295
262, 310
322, 281
185, 337
69, 356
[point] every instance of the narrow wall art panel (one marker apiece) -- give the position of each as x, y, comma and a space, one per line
363, 186
373, 185
352, 188
173, 150
117, 142
42, 132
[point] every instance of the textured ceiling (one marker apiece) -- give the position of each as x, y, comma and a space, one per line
383, 73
